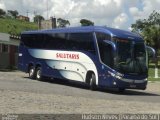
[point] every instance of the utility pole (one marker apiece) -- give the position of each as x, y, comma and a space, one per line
27, 13
47, 9
35, 13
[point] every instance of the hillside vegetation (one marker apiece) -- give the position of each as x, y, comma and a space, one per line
14, 26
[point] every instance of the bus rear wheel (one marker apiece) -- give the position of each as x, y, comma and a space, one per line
39, 73
31, 72
93, 82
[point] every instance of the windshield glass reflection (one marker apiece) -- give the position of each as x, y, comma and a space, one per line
130, 57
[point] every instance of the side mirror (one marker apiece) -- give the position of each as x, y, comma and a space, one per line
151, 52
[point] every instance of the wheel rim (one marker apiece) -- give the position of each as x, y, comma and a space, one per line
91, 81
31, 72
38, 74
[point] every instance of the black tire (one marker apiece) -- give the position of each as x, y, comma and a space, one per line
31, 72
38, 73
92, 82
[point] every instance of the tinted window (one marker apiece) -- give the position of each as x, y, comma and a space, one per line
102, 36
45, 41
105, 50
49, 41
33, 40
81, 41
55, 41
107, 55
60, 41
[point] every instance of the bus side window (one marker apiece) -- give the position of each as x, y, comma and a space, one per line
25, 38
107, 55
40, 42
49, 41
105, 50
55, 41
72, 42
102, 36
81, 41
21, 42
61, 41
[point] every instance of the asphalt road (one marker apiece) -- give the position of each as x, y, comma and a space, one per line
19, 82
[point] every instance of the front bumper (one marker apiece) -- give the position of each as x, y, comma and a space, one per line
130, 83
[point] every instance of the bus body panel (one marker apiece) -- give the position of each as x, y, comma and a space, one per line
71, 65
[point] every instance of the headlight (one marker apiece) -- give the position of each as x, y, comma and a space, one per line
117, 75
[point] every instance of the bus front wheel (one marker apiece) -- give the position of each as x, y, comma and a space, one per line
31, 72
93, 82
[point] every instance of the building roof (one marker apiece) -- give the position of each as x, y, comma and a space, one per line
5, 39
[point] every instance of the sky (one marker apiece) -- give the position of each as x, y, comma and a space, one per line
112, 13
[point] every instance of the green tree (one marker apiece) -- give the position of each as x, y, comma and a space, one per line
38, 18
2, 13
85, 22
13, 13
62, 22
150, 30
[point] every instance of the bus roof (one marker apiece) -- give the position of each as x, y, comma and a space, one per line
112, 31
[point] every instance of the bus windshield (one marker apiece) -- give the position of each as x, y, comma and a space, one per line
130, 57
